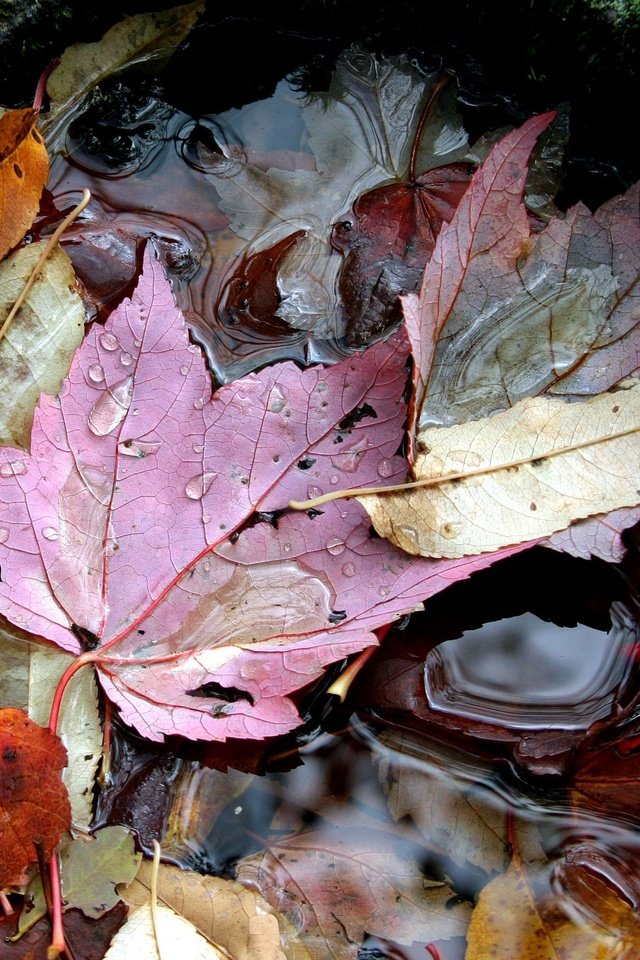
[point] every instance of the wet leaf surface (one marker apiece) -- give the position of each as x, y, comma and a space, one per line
33, 800
89, 939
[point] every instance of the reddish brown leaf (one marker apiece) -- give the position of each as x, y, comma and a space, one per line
34, 805
388, 242
24, 167
87, 939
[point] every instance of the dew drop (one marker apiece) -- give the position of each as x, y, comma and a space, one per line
336, 546
14, 469
108, 341
198, 403
126, 359
313, 492
96, 373
184, 369
277, 400
50, 533
206, 518
384, 591
4, 534
385, 468
333, 479
196, 487
137, 343
410, 535
111, 408
286, 547
207, 566
349, 570
198, 448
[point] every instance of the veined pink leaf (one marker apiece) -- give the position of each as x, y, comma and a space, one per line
115, 530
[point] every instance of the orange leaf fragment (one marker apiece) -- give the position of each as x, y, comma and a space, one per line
24, 168
34, 805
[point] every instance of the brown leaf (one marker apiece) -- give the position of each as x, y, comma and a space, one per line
87, 939
24, 167
34, 805
227, 914
511, 921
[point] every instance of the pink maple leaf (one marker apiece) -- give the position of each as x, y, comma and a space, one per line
125, 528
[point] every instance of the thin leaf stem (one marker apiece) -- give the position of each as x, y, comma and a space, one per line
153, 902
426, 113
461, 475
42, 83
57, 945
72, 669
46, 253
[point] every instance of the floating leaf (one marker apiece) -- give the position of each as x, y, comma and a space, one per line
518, 475
34, 806
24, 167
36, 350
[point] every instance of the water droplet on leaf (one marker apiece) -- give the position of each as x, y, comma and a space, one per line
336, 546
111, 408
14, 469
348, 569
385, 468
50, 533
108, 341
4, 534
126, 359
96, 373
277, 400
196, 487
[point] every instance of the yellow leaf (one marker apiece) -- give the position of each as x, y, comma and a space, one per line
24, 167
515, 476
509, 922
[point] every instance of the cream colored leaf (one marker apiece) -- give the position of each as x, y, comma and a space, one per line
29, 675
83, 65
37, 348
177, 939
516, 476
238, 920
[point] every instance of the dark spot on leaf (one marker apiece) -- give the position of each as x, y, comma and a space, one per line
306, 463
214, 689
234, 536
373, 533
312, 514
36, 136
17, 170
142, 632
538, 462
337, 616
366, 410
10, 754
86, 639
615, 409
532, 506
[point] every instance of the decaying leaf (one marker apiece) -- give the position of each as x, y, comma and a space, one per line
30, 672
239, 920
36, 349
511, 920
34, 806
361, 133
519, 475
24, 167
146, 36
168, 936
119, 523
335, 886
92, 867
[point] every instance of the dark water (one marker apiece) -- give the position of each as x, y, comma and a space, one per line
507, 688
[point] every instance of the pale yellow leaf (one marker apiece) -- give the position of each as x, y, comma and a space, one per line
516, 476
236, 919
178, 939
83, 65
37, 348
28, 680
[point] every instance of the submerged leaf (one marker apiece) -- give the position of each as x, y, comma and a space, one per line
36, 350
239, 920
516, 476
143, 37
336, 885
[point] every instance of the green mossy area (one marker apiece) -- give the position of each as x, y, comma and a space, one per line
583, 52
